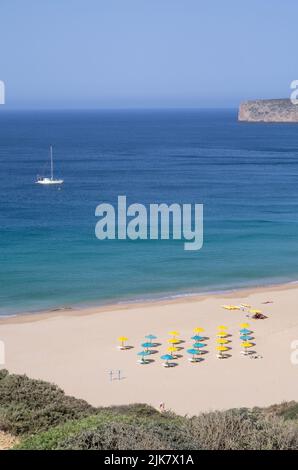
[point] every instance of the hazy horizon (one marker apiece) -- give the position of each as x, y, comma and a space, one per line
110, 54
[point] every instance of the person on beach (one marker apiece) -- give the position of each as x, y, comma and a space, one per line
162, 407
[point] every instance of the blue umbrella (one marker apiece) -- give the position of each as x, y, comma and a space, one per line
197, 338
198, 346
146, 345
193, 352
246, 338
167, 357
143, 354
151, 337
245, 330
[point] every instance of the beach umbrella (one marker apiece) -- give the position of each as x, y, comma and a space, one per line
146, 345
151, 337
221, 349
173, 341
255, 311
245, 331
244, 325
122, 340
246, 345
246, 338
222, 327
167, 358
198, 329
231, 307
172, 349
143, 354
197, 338
222, 334
245, 305
193, 352
222, 341
199, 346
174, 333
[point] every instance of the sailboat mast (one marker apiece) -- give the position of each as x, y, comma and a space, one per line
52, 168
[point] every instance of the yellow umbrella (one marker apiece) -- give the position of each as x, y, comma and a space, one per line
198, 329
244, 325
173, 340
221, 349
231, 307
172, 349
222, 341
222, 327
221, 334
122, 340
246, 345
174, 333
255, 311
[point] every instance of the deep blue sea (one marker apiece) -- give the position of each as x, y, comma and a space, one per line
245, 174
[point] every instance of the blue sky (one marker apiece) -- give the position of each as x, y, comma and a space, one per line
146, 53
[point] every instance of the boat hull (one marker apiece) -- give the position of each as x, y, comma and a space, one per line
47, 181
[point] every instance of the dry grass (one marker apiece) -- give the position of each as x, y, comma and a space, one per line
7, 441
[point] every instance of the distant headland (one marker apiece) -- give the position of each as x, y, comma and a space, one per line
278, 110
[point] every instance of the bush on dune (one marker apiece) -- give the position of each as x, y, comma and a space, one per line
29, 406
48, 419
233, 429
243, 429
157, 435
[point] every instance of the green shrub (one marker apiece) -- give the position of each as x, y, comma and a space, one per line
139, 409
48, 419
243, 429
234, 429
29, 406
288, 410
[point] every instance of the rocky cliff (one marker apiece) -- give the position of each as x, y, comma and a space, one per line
268, 111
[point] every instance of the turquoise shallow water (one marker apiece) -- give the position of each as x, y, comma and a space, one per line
245, 175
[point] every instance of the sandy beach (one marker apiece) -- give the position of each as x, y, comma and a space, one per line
76, 350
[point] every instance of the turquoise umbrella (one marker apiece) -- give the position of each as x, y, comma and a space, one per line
199, 345
193, 352
167, 357
151, 337
146, 345
246, 338
245, 331
143, 354
197, 338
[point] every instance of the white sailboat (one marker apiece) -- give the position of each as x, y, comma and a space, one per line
51, 180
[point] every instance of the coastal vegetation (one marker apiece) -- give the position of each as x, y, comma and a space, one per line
40, 416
